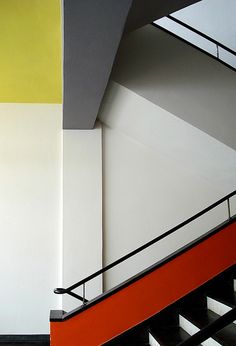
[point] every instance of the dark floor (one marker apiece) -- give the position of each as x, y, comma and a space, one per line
24, 340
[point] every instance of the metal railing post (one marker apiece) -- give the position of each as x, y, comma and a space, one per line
217, 51
229, 211
84, 300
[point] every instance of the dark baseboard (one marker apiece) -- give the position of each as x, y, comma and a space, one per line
41, 339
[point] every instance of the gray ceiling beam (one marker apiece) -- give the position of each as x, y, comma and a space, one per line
92, 33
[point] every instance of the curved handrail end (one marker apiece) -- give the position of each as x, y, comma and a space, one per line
60, 290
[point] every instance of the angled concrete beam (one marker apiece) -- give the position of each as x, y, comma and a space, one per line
92, 33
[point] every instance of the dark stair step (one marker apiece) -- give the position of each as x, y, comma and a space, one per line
201, 318
227, 335
195, 301
169, 336
228, 297
127, 342
223, 281
137, 337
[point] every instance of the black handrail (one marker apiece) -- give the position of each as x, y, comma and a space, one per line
201, 34
141, 248
216, 57
211, 329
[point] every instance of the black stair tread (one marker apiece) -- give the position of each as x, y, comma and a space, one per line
137, 338
169, 336
233, 272
128, 343
226, 297
195, 302
227, 335
125, 342
201, 318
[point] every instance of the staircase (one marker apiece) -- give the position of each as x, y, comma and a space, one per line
181, 300
176, 324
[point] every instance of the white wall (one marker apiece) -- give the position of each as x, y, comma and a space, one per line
180, 79
82, 210
158, 171
30, 203
50, 214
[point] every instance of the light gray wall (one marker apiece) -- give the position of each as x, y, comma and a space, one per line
180, 79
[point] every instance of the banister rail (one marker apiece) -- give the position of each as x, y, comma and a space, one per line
217, 44
141, 248
201, 34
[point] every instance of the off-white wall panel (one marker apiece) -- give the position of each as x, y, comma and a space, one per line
170, 136
157, 173
82, 210
30, 160
179, 79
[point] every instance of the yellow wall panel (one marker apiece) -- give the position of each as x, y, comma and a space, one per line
30, 51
